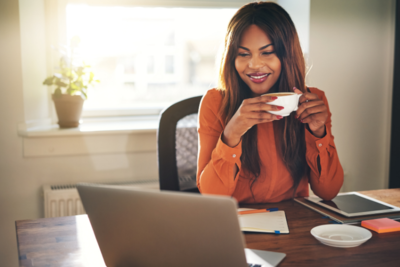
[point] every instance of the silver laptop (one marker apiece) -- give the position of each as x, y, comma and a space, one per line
153, 228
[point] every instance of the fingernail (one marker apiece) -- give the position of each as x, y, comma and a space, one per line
302, 121
274, 97
279, 117
294, 88
280, 108
296, 116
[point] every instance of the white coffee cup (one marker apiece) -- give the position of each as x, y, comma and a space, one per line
289, 102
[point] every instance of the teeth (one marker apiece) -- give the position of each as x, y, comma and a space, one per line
259, 77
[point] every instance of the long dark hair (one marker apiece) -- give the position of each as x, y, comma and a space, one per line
289, 133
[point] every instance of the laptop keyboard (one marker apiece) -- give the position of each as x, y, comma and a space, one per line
254, 265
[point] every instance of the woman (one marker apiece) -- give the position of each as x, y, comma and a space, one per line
252, 155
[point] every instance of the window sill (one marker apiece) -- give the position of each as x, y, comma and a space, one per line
124, 125
94, 136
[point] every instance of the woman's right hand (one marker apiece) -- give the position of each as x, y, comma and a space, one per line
252, 111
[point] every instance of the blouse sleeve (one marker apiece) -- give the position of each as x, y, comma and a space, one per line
216, 161
327, 182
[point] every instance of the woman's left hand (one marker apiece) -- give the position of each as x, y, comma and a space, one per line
313, 111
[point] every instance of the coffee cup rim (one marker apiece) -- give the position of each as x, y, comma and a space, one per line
281, 93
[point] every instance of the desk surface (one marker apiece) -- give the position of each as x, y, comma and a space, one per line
69, 241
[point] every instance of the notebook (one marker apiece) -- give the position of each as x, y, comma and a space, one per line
265, 222
152, 228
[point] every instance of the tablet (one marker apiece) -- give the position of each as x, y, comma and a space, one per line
353, 204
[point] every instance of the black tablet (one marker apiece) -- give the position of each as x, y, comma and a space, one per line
354, 204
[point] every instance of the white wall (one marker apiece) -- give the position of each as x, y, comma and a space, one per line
351, 50
11, 112
33, 56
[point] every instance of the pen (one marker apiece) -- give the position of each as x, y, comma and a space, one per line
256, 211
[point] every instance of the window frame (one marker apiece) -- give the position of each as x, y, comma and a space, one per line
55, 11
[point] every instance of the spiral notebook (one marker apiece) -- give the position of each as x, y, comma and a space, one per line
266, 222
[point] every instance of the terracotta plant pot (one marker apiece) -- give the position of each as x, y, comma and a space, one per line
69, 109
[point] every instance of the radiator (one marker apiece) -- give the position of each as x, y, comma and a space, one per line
61, 200
64, 200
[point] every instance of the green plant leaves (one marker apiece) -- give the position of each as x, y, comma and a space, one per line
73, 79
80, 71
84, 94
60, 83
91, 77
48, 81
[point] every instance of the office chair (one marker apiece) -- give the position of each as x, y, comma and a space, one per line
177, 146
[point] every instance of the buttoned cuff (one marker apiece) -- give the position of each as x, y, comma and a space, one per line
317, 144
230, 154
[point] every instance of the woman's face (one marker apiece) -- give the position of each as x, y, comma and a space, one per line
256, 61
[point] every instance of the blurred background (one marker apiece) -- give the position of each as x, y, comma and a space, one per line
149, 54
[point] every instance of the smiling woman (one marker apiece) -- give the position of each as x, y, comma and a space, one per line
247, 152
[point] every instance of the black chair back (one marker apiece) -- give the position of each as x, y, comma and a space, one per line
177, 146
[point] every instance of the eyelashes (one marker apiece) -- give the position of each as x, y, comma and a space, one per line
263, 53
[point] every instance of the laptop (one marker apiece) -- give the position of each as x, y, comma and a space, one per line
152, 228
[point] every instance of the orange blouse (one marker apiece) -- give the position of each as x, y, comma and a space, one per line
216, 161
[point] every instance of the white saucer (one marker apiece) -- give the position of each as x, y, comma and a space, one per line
340, 235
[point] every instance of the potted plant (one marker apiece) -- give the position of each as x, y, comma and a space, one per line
72, 80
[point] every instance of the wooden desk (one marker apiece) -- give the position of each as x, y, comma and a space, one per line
69, 241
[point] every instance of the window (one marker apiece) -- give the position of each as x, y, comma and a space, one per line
147, 57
